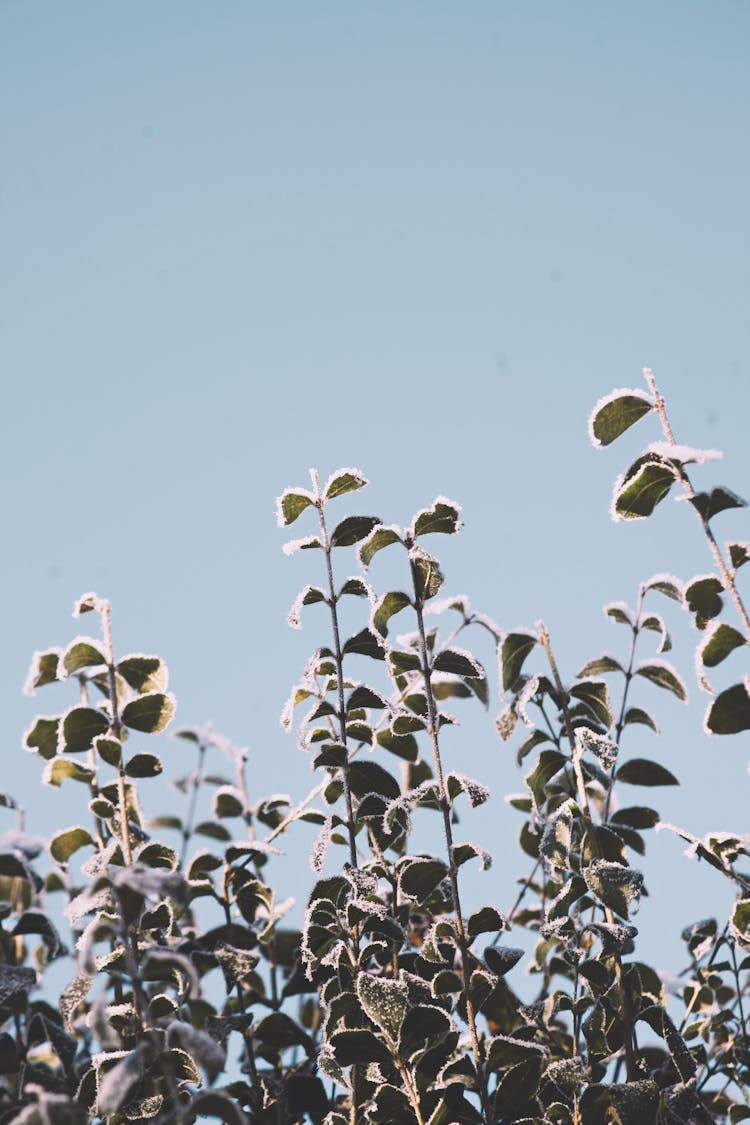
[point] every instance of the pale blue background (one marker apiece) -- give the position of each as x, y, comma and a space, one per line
240, 239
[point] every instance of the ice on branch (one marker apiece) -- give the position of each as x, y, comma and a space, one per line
685, 454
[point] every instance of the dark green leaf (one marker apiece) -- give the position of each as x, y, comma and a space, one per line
35, 922
144, 673
458, 663
364, 696
599, 666
641, 771
144, 765
291, 504
279, 1030
386, 1002
80, 726
43, 670
664, 676
369, 777
228, 803
82, 653
402, 745
15, 981
501, 959
352, 529
709, 504
64, 844
216, 1103
703, 596
487, 920
666, 584
420, 876
354, 586
739, 553
620, 613
343, 481
351, 1047
378, 539
717, 647
443, 516
404, 661
594, 694
549, 763
428, 578
390, 604
59, 769
614, 885
150, 713
109, 750
616, 413
637, 715
646, 483
636, 816
730, 711
514, 650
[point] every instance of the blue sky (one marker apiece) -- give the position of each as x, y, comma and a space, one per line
239, 240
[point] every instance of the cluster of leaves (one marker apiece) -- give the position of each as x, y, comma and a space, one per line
392, 1004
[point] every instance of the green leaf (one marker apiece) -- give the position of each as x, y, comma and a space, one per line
487, 920
718, 645
351, 1047
616, 413
501, 960
291, 504
387, 606
369, 777
211, 829
656, 624
704, 599
642, 771
549, 763
730, 711
109, 750
80, 726
665, 584
599, 666
444, 516
144, 765
42, 737
64, 844
58, 769
638, 715
343, 481
636, 816
386, 1002
150, 713
664, 676
352, 529
403, 661
709, 504
82, 653
364, 696
144, 673
228, 803
428, 578
620, 613
513, 652
365, 643
216, 1103
378, 539
739, 553
594, 694
738, 1113
43, 670
458, 662
646, 483
419, 877
614, 885
402, 745
279, 1030
354, 586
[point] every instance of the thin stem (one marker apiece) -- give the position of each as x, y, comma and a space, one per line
724, 569
621, 720
187, 828
117, 731
445, 808
627, 1015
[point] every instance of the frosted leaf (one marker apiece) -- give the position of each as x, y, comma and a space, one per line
685, 454
444, 516
604, 404
613, 884
656, 624
157, 964
308, 596
88, 602
306, 543
600, 745
45, 666
209, 1055
320, 847
466, 851
667, 584
291, 504
620, 612
86, 902
457, 783
29, 846
381, 536
460, 603
364, 882
119, 1082
615, 937
525, 697
153, 882
662, 674
343, 481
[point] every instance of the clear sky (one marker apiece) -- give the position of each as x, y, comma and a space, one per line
241, 239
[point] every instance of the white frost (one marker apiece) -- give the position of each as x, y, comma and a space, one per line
605, 401
683, 453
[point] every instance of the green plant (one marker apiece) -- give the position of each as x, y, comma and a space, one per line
190, 997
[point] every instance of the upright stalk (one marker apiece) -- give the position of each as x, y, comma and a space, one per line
627, 1014
445, 808
117, 731
724, 569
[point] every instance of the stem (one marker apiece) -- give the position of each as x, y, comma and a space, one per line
627, 1015
117, 731
621, 720
445, 808
724, 569
187, 829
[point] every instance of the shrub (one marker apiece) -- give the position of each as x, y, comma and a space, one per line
187, 997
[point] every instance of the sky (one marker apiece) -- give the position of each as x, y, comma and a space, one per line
241, 240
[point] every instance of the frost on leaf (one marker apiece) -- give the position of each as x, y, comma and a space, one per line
457, 783
88, 603
343, 481
204, 1050
308, 542
320, 847
308, 596
600, 745
684, 454
617, 412
730, 711
444, 516
291, 504
662, 674
43, 670
666, 584
644, 485
614, 885
386, 1002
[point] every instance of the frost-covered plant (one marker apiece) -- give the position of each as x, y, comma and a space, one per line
186, 996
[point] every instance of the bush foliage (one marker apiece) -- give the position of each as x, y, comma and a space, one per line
186, 996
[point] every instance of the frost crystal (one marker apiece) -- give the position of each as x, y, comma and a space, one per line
619, 392
685, 454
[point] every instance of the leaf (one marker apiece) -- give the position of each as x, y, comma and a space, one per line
487, 920
642, 771
730, 711
43, 670
614, 885
638, 715
656, 624
709, 504
64, 844
549, 763
291, 504
42, 736
15, 981
458, 662
620, 613
427, 575
80, 726
83, 652
664, 676
600, 665
34, 922
500, 960
444, 516
109, 750
386, 1002
228, 802
645, 484
365, 643
387, 606
402, 745
58, 769
343, 481
356, 587
364, 696
378, 539
666, 584
739, 554
718, 644
144, 673
144, 765
636, 816
352, 529
150, 713
513, 652
419, 877
703, 597
594, 694
351, 1047
118, 1083
616, 413
217, 1103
